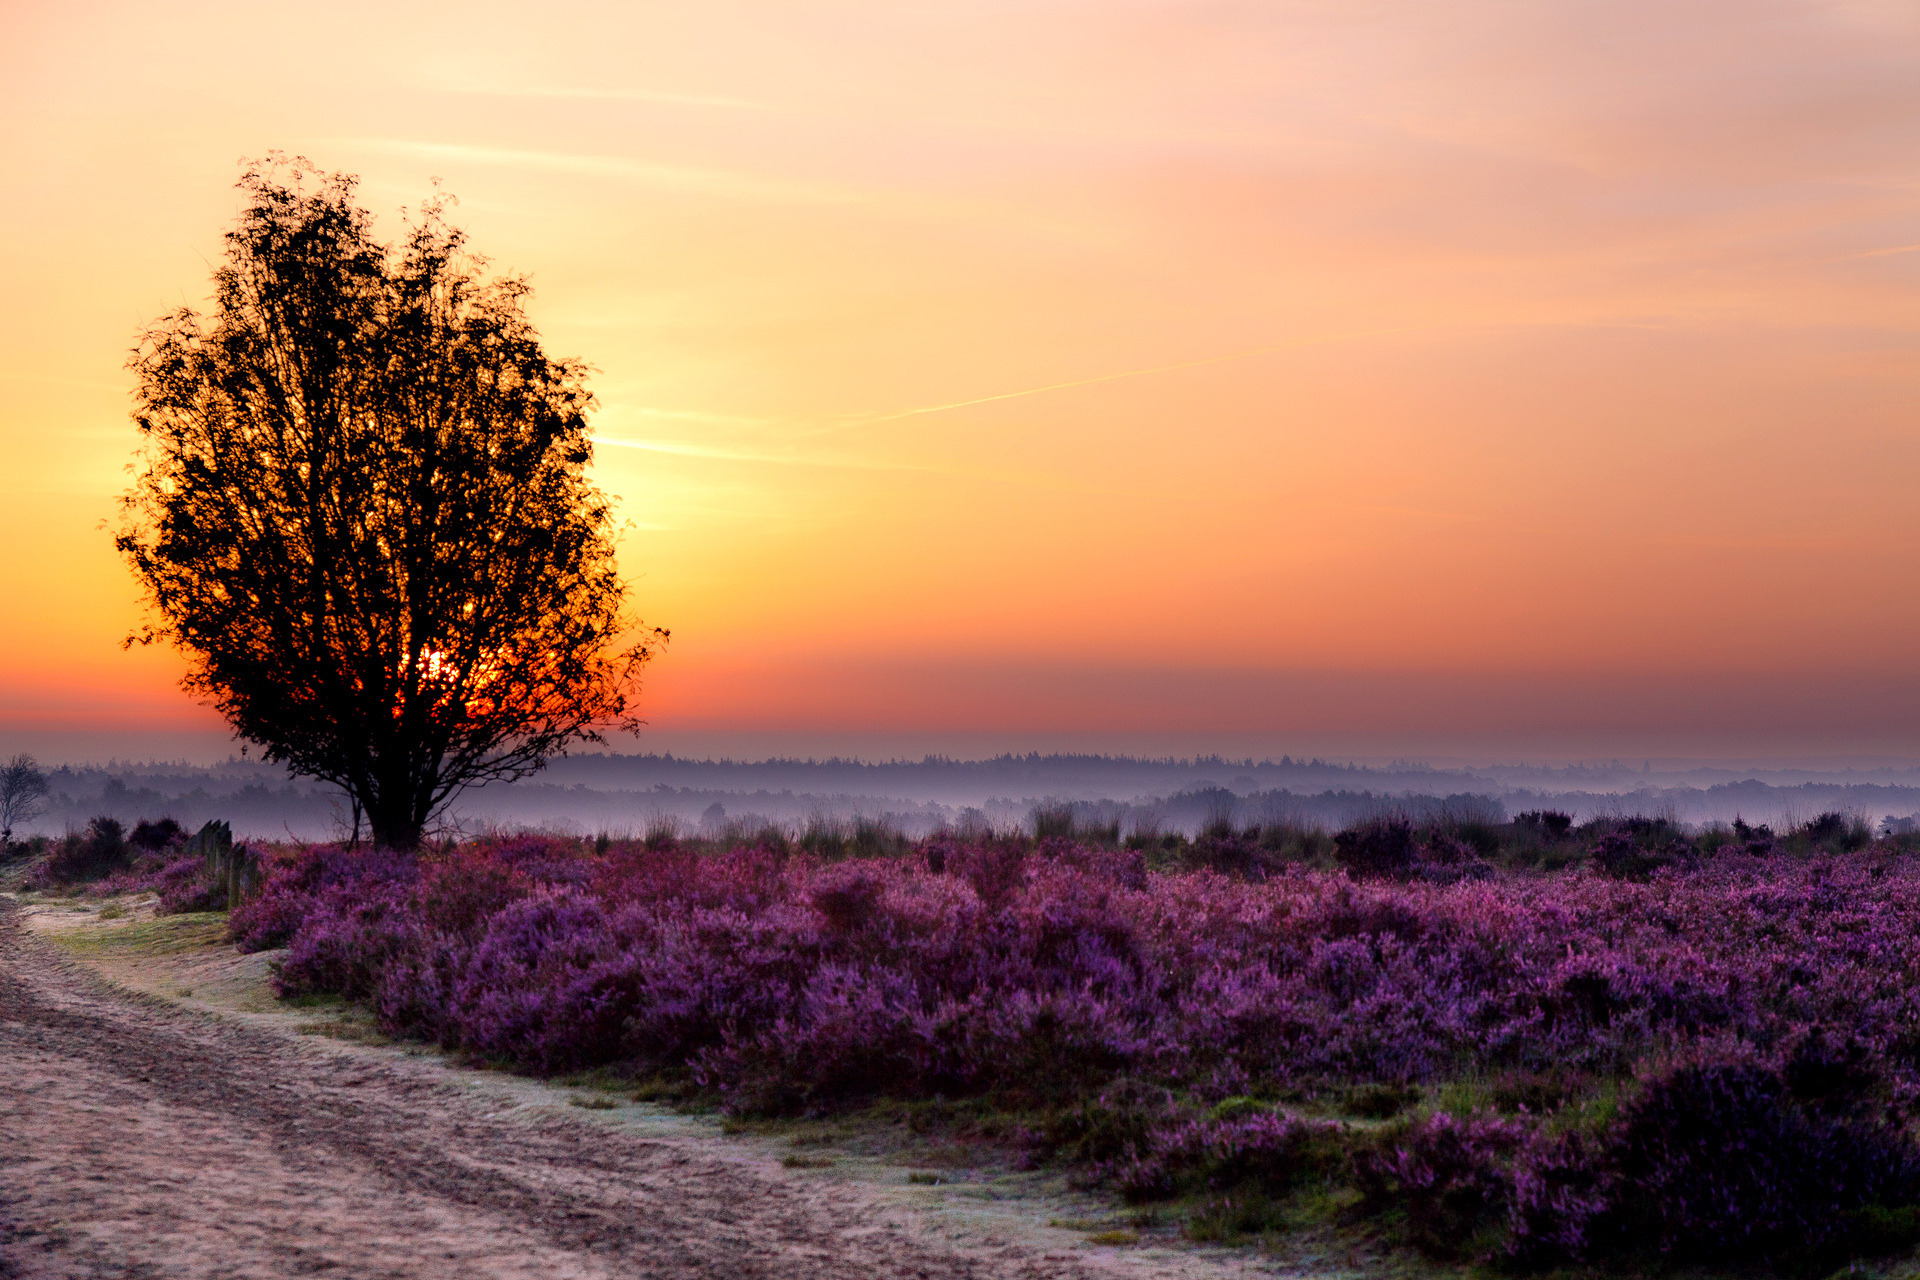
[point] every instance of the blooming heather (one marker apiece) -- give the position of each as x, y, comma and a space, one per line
1042, 977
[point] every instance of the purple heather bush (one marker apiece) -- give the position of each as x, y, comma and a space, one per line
105, 863
184, 884
1453, 1178
1057, 978
1251, 1149
1725, 1162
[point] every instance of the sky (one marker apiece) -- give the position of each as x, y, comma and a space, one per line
1468, 379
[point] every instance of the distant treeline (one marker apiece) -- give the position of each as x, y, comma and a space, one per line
624, 794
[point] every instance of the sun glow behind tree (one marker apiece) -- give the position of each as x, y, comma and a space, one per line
364, 514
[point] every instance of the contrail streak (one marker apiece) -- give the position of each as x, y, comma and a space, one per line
1131, 373
1877, 253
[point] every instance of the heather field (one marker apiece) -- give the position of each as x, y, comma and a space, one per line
1524, 1044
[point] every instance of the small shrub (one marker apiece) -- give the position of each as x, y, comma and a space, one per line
100, 851
1053, 821
1291, 842
1379, 1101
1563, 1192
1638, 849
1830, 1074
1722, 1166
996, 869
806, 1162
1476, 838
1126, 868
1231, 853
1536, 1092
1833, 833
298, 879
1118, 1124
1237, 1108
184, 885
877, 838
1453, 1178
1545, 825
1380, 847
831, 839
849, 899
157, 836
1255, 1154
593, 1104
1229, 1219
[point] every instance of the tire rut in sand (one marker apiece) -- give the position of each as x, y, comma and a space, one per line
140, 1139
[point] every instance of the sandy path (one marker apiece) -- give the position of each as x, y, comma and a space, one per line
140, 1139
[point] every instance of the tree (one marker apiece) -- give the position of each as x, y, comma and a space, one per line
361, 510
23, 789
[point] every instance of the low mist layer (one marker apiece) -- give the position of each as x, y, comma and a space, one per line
626, 795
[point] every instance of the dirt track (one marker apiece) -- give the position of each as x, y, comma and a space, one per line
141, 1139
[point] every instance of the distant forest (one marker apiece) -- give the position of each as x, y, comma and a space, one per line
625, 793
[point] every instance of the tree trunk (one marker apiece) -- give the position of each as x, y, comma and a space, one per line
394, 824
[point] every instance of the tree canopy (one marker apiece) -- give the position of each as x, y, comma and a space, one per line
362, 509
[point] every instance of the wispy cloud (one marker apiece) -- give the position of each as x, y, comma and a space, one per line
650, 173
688, 449
1242, 354
702, 415
54, 380
612, 95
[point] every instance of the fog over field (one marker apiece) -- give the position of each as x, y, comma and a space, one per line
624, 794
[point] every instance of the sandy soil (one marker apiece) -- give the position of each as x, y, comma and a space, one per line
143, 1136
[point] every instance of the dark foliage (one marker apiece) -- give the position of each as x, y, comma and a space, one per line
1564, 1189
1393, 848
1117, 1126
1255, 1154
153, 836
1834, 833
363, 510
1379, 1101
1536, 1092
1233, 853
1544, 824
1635, 849
1382, 847
100, 851
1720, 1163
1053, 821
1452, 1178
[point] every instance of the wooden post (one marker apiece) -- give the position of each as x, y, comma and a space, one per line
243, 881
215, 843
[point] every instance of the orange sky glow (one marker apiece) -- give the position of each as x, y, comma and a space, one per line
1476, 379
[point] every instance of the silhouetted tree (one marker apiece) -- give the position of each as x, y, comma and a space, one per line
363, 514
23, 789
